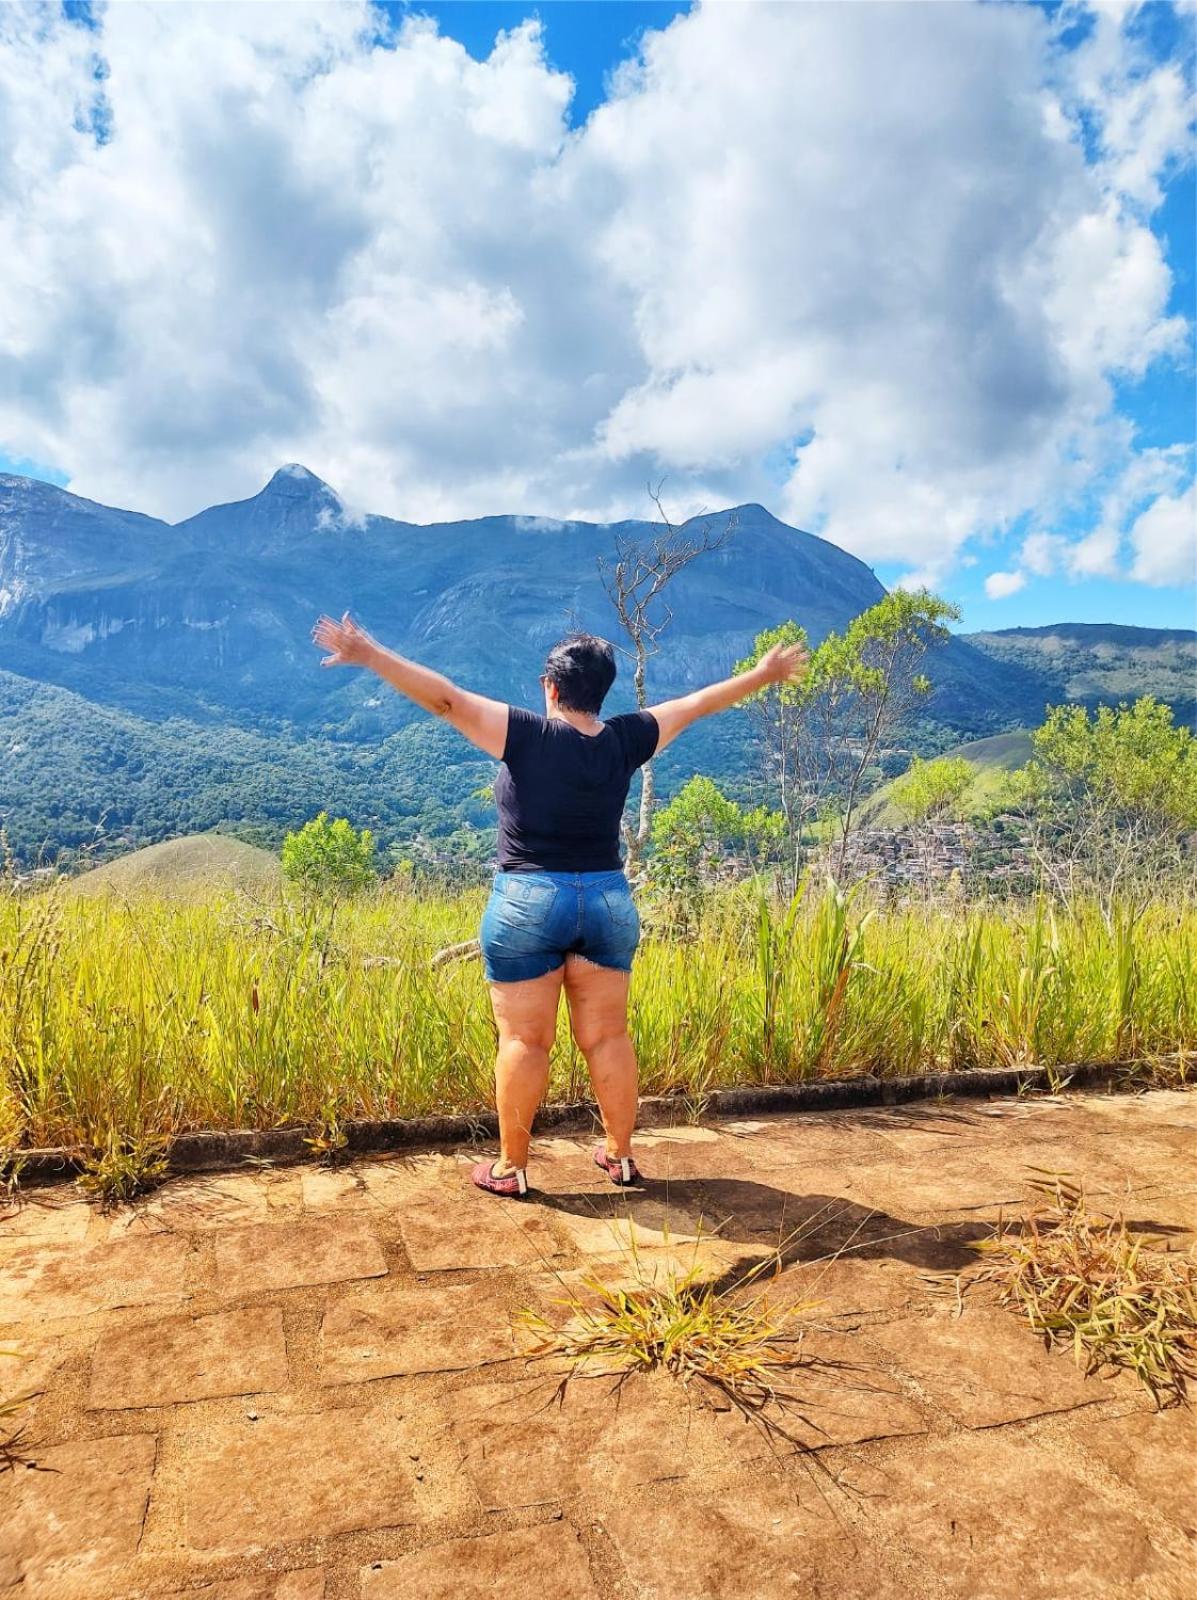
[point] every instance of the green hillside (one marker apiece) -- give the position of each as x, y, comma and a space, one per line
93, 780
96, 781
992, 758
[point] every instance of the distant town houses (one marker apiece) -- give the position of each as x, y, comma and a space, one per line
994, 857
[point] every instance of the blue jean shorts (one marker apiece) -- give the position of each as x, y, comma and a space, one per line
533, 920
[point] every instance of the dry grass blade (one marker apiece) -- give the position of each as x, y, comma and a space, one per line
1086, 1281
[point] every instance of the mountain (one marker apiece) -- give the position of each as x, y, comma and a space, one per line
167, 671
212, 617
1093, 662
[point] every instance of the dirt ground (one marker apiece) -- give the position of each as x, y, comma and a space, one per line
304, 1384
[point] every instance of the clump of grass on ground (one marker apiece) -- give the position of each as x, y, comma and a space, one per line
746, 1351
1177, 1071
123, 1166
12, 1441
330, 1143
1085, 1282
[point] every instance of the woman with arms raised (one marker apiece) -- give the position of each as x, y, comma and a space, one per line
560, 911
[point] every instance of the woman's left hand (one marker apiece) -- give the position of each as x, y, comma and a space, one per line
350, 644
784, 663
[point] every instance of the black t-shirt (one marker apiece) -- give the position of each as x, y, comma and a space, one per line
561, 793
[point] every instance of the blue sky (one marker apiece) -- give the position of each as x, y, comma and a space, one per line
586, 38
470, 257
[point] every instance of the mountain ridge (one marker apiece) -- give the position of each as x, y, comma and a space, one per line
210, 616
1123, 631
200, 632
253, 574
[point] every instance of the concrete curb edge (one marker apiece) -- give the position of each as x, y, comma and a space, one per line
214, 1151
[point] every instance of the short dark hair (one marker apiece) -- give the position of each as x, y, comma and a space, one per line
583, 668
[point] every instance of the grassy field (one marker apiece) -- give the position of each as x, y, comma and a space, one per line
149, 1014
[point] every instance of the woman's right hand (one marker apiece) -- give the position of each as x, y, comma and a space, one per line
350, 644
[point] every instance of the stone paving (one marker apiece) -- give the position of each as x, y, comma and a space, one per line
304, 1383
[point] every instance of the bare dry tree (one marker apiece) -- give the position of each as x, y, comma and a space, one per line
635, 580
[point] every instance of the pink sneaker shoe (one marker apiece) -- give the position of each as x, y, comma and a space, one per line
620, 1169
513, 1184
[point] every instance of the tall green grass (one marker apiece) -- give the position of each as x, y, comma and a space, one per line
152, 1016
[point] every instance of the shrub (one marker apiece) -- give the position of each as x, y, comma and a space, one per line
329, 857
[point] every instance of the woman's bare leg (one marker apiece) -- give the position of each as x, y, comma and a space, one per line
526, 1017
598, 1015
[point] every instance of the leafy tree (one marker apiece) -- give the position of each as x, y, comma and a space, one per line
695, 831
928, 790
1132, 758
827, 735
1111, 797
867, 683
326, 857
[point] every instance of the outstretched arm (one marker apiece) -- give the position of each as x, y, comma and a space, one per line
785, 663
482, 721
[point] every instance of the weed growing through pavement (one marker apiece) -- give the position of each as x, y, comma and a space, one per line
12, 1168
1086, 1282
330, 1141
726, 1336
13, 1444
678, 1322
123, 1166
1176, 1071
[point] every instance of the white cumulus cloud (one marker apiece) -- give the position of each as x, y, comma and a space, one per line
1042, 553
999, 585
1144, 530
1164, 540
891, 304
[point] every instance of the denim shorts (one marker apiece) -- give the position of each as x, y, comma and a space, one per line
533, 920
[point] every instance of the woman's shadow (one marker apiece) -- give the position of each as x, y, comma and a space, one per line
799, 1227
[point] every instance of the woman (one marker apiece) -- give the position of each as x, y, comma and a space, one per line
560, 912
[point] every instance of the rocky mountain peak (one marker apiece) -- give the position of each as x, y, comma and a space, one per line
295, 480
